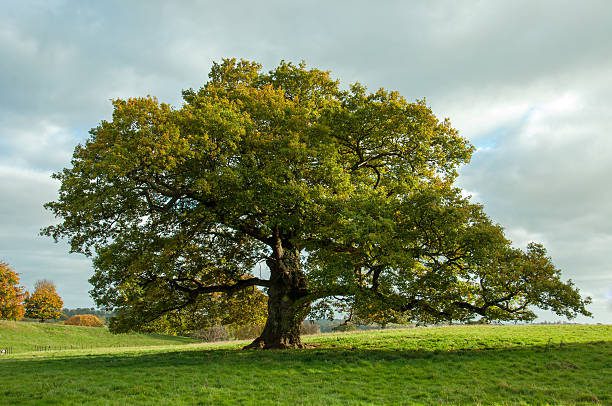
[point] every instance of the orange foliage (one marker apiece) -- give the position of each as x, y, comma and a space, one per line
44, 303
89, 320
11, 294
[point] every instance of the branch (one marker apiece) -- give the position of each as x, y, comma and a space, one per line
323, 293
254, 232
227, 288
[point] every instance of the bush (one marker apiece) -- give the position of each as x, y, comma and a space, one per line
309, 327
345, 327
245, 331
210, 334
88, 320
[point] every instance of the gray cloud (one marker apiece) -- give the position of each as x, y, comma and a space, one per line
527, 81
32, 256
545, 177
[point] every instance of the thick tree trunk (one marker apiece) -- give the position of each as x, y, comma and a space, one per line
287, 306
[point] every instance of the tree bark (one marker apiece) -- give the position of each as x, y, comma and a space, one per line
286, 306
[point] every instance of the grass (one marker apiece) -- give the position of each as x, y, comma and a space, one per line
27, 336
565, 364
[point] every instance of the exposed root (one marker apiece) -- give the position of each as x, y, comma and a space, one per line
260, 344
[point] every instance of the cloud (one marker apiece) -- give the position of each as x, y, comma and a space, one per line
32, 256
42, 145
543, 177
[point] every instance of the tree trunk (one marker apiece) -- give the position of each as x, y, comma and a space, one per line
287, 306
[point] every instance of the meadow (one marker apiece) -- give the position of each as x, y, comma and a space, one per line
22, 337
554, 364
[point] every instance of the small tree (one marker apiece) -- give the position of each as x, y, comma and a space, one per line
44, 303
11, 294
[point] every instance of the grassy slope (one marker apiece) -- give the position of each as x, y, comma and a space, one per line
456, 365
25, 336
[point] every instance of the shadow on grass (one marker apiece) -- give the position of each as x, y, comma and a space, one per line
548, 374
195, 357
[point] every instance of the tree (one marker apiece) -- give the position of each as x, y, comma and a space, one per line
44, 303
343, 194
11, 294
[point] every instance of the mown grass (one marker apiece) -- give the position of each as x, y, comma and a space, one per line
26, 336
447, 365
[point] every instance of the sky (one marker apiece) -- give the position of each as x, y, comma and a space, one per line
529, 83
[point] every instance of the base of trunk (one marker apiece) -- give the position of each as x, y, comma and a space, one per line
287, 306
274, 338
260, 344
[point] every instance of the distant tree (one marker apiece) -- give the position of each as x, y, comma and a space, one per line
341, 192
45, 303
86, 320
11, 294
100, 313
310, 327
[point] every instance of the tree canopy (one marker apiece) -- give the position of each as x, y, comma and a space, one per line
12, 294
345, 195
45, 303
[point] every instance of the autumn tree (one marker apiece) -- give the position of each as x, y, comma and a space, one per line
342, 194
11, 294
85, 320
45, 303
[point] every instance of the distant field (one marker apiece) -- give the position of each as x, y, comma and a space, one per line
564, 364
26, 336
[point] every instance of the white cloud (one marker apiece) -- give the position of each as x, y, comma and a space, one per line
35, 257
520, 237
30, 144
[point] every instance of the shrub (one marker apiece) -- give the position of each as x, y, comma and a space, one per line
210, 334
245, 331
88, 320
345, 327
309, 327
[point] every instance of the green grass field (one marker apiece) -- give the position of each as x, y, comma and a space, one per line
25, 337
561, 364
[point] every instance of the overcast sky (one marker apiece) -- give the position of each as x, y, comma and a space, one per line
528, 82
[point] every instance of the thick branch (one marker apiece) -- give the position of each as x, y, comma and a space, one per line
227, 288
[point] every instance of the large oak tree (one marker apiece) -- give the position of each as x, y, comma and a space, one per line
343, 194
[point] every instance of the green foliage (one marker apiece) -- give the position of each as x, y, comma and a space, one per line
459, 365
44, 303
11, 294
240, 313
245, 331
344, 194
